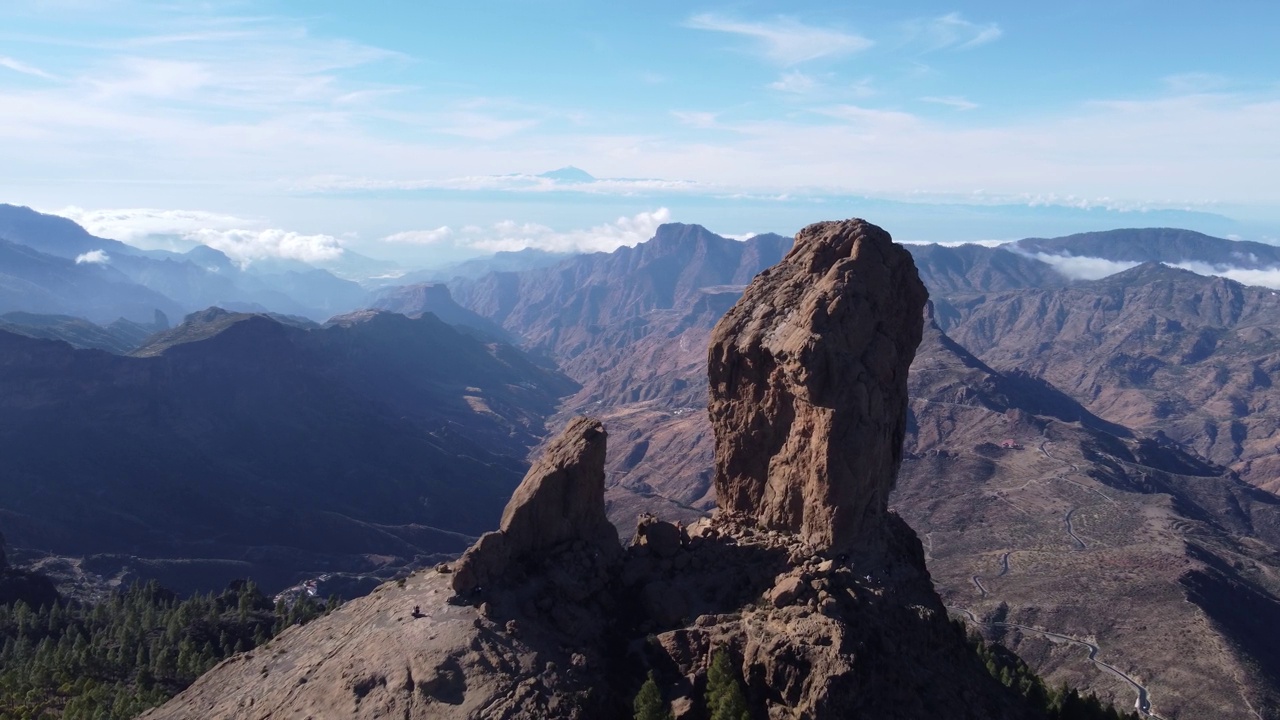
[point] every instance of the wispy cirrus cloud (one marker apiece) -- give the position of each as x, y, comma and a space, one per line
20, 67
696, 119
1196, 82
794, 82
785, 41
510, 183
953, 101
951, 31
421, 237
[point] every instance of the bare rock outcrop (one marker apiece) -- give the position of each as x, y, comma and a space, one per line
560, 500
549, 618
809, 384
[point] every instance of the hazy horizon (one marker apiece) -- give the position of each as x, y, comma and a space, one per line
428, 134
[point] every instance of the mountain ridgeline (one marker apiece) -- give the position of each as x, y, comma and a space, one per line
238, 445
51, 265
1089, 466
632, 327
1056, 427
551, 617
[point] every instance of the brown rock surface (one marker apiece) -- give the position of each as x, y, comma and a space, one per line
571, 629
562, 496
560, 500
808, 380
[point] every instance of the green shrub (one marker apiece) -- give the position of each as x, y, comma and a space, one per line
725, 699
648, 703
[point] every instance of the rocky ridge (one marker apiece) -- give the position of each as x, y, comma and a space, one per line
550, 619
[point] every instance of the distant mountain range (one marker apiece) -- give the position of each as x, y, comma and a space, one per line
49, 264
1091, 463
239, 445
631, 327
1056, 478
1165, 245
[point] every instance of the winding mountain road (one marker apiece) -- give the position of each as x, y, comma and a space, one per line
1070, 530
1143, 701
981, 589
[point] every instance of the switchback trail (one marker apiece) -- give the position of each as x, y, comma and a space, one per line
977, 581
1143, 702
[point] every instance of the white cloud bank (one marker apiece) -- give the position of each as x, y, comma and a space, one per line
1082, 268
245, 246
510, 235
242, 240
1093, 268
93, 257
1264, 277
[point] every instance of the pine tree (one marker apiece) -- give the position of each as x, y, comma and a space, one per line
725, 700
648, 703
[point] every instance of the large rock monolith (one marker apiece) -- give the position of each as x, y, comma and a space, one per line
808, 382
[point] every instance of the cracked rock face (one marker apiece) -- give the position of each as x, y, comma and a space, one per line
560, 500
808, 381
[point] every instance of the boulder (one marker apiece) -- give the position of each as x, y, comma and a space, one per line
663, 539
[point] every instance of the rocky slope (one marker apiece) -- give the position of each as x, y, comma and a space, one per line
1160, 350
555, 620
236, 445
1058, 531
949, 271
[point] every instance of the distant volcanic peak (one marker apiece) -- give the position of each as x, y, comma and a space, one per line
569, 174
808, 382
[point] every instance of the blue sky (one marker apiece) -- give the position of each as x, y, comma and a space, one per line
417, 130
